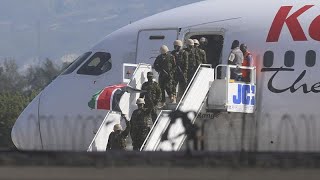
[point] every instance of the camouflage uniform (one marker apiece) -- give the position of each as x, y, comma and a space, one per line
192, 66
140, 126
117, 139
152, 97
201, 56
163, 65
174, 74
182, 65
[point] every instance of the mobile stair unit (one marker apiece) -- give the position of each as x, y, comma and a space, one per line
232, 96
134, 75
192, 100
204, 91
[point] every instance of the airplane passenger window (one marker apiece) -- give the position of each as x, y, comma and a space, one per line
98, 64
289, 59
310, 58
156, 37
268, 59
76, 63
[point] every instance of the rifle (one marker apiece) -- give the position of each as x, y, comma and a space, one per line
180, 74
166, 73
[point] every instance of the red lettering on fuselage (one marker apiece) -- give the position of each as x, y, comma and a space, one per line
314, 29
293, 25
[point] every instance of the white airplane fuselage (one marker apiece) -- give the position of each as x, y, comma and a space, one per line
278, 34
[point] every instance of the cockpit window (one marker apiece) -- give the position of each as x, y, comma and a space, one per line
76, 63
98, 64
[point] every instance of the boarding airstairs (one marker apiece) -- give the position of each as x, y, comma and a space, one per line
192, 100
205, 91
134, 75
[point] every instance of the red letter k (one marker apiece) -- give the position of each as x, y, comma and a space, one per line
291, 21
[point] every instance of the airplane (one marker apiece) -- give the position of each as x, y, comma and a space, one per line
283, 37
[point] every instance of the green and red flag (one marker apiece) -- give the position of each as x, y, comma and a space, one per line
108, 98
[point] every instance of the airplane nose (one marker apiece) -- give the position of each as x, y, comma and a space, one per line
25, 133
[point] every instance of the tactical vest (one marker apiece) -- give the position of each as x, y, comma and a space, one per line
191, 58
118, 141
178, 55
163, 65
143, 118
198, 57
150, 95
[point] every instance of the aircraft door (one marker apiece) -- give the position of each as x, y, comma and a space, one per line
150, 41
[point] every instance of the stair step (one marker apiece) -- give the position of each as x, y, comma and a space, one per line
171, 106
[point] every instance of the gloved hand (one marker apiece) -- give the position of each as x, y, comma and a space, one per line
124, 116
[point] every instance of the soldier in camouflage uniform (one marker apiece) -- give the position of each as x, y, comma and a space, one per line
141, 124
203, 43
117, 138
201, 54
152, 95
192, 65
163, 65
174, 81
182, 62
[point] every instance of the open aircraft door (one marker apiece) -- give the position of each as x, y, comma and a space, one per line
150, 41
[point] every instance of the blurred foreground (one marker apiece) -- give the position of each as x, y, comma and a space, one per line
159, 165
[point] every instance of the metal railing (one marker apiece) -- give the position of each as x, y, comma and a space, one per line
135, 71
97, 134
178, 106
192, 79
106, 117
156, 124
228, 72
194, 119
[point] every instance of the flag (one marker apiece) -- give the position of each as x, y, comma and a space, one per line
108, 98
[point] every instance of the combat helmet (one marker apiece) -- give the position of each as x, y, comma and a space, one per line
196, 42
164, 49
117, 127
203, 40
140, 101
190, 42
177, 43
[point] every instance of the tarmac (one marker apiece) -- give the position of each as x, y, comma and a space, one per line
159, 165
